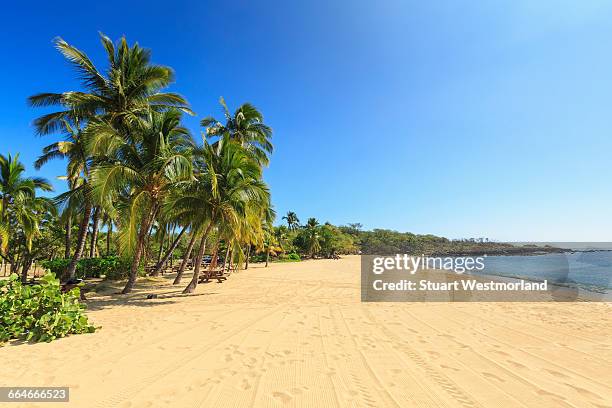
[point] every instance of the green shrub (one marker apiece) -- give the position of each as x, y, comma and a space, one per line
56, 266
40, 312
258, 258
117, 268
111, 267
294, 257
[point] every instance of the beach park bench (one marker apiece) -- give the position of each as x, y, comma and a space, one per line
218, 274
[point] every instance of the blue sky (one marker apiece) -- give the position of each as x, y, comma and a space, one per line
457, 118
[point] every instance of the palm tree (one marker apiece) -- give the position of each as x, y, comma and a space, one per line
15, 187
139, 174
186, 258
121, 95
313, 236
268, 230
246, 127
13, 183
28, 212
228, 184
292, 220
280, 236
250, 232
77, 199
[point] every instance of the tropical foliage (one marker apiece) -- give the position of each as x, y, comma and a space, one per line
40, 312
139, 187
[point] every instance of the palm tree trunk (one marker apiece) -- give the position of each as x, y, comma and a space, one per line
108, 236
196, 272
227, 259
186, 258
4, 205
162, 242
140, 244
68, 239
214, 257
160, 254
163, 260
248, 255
94, 233
71, 270
267, 255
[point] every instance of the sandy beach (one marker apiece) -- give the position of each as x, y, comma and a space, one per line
297, 335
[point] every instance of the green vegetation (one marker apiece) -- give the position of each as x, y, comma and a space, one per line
110, 267
143, 192
313, 240
39, 312
388, 242
139, 186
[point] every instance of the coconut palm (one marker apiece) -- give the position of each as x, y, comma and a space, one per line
28, 212
120, 97
313, 236
186, 258
77, 200
122, 94
228, 183
280, 236
15, 187
134, 176
292, 220
269, 215
246, 127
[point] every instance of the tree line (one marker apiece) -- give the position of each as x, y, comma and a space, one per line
134, 167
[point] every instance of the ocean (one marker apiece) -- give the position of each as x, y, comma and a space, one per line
590, 271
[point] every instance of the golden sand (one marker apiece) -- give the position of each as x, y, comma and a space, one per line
297, 335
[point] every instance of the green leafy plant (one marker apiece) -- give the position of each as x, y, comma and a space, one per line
110, 267
40, 312
294, 257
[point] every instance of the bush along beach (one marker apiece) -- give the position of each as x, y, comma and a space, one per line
40, 312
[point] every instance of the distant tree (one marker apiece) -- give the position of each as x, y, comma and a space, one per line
313, 236
292, 220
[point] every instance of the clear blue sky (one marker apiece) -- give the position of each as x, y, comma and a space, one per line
458, 118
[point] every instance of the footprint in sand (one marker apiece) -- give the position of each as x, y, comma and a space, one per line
514, 363
493, 376
245, 385
283, 397
449, 367
556, 373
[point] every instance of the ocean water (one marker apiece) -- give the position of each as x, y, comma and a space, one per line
591, 271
